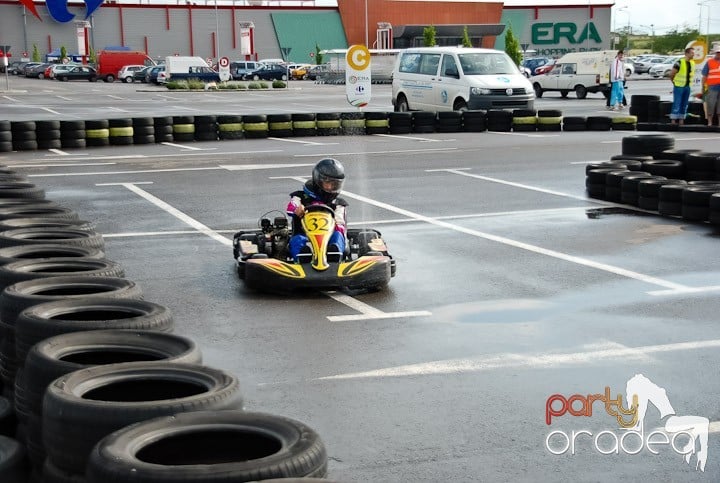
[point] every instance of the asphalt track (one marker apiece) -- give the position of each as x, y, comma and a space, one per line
511, 287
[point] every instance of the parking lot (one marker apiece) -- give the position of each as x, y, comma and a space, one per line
512, 286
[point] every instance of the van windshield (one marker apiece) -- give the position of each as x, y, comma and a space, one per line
487, 64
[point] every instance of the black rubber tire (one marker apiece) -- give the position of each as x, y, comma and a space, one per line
647, 144
97, 124
48, 134
45, 320
49, 250
62, 354
83, 407
120, 122
676, 154
13, 468
162, 121
699, 195
599, 123
74, 143
664, 167
221, 446
31, 208
143, 130
615, 165
671, 193
701, 161
650, 188
19, 271
695, 213
18, 126
21, 190
142, 121
72, 125
44, 235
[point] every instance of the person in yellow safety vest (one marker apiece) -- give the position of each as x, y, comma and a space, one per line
681, 76
711, 86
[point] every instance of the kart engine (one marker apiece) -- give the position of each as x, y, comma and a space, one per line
276, 237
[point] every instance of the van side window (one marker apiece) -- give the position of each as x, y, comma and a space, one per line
449, 67
429, 64
568, 69
410, 63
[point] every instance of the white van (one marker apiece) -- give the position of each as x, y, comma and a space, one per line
581, 72
458, 78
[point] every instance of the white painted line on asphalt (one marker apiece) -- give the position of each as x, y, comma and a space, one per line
173, 211
687, 290
169, 97
590, 162
413, 138
528, 361
58, 152
49, 110
517, 244
115, 97
366, 311
83, 157
60, 165
11, 99
173, 155
182, 146
523, 134
117, 109
124, 183
399, 151
310, 143
248, 167
64, 98
106, 173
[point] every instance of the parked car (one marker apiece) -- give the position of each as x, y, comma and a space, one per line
139, 75
37, 71
643, 66
317, 70
79, 72
55, 68
299, 71
24, 66
269, 72
151, 76
545, 68
240, 68
127, 73
12, 67
663, 70
533, 63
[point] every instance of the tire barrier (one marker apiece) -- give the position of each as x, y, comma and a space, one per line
664, 167
574, 123
5, 137
629, 186
44, 222
639, 105
327, 123
304, 124
85, 406
97, 132
700, 166
696, 202
649, 191
524, 120
206, 128
352, 123
163, 129
24, 136
44, 235
20, 189
48, 134
72, 134
280, 125
256, 126
549, 120
121, 132
474, 121
499, 120
50, 250
143, 130
624, 123
13, 468
423, 121
400, 122
647, 144
230, 127
377, 123
248, 447
183, 128
22, 270
599, 123
44, 210
448, 121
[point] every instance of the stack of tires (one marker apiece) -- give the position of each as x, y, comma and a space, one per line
163, 129
400, 122
304, 124
97, 133
549, 120
230, 127
90, 371
183, 128
143, 130
499, 120
474, 121
377, 123
423, 121
48, 134
524, 120
206, 128
280, 125
72, 134
24, 136
5, 137
121, 131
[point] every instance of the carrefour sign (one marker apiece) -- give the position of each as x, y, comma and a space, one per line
58, 9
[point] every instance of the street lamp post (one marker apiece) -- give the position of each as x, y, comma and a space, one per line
627, 33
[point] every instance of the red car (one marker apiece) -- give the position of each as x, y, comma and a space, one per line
544, 69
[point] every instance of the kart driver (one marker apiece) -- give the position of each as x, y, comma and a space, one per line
327, 180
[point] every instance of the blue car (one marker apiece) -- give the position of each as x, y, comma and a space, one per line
268, 72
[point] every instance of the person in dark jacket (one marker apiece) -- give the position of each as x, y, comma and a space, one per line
327, 180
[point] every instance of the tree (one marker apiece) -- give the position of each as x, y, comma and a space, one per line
63, 52
318, 55
674, 40
92, 56
35, 54
512, 46
429, 36
466, 38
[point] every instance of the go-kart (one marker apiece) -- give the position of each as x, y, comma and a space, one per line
263, 260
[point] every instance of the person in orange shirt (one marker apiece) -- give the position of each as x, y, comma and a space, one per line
711, 86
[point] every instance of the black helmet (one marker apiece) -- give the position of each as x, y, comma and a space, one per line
328, 175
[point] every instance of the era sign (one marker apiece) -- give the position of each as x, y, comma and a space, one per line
58, 9
546, 33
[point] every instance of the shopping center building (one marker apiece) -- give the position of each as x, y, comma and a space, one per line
295, 29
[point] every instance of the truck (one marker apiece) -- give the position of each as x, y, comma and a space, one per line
109, 62
581, 72
179, 67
